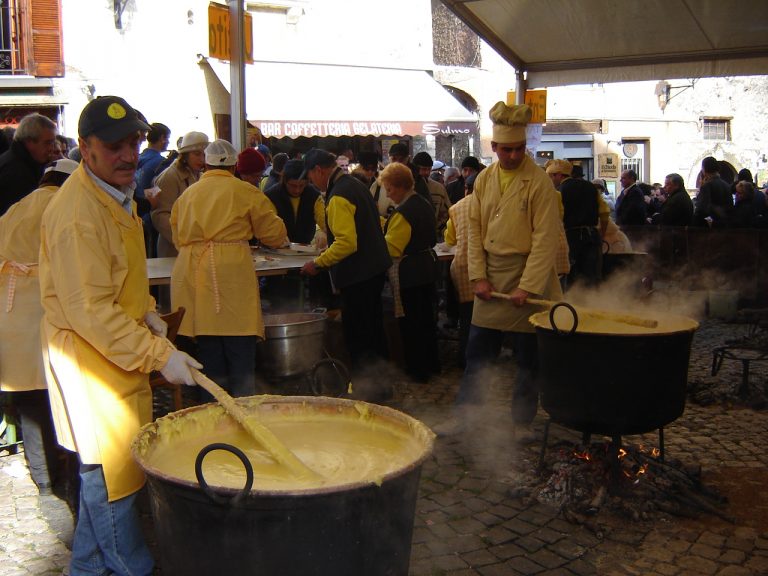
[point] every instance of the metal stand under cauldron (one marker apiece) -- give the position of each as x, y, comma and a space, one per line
613, 384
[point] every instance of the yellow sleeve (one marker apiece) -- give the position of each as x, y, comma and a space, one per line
603, 210
341, 221
320, 213
267, 226
450, 233
398, 235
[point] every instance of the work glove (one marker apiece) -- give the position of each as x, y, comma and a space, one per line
177, 369
156, 325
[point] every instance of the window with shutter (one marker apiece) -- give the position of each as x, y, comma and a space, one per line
45, 51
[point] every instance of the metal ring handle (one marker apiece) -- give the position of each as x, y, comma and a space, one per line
606, 247
338, 366
218, 498
572, 310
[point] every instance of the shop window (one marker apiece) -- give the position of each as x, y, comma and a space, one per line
717, 129
30, 38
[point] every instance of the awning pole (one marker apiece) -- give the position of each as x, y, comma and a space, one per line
521, 87
237, 72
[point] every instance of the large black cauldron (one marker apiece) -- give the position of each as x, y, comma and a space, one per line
360, 528
631, 381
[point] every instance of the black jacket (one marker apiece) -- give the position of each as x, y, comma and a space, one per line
418, 266
677, 210
372, 257
630, 207
579, 203
714, 200
20, 174
301, 225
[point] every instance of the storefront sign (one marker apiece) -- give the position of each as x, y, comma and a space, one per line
608, 165
218, 33
307, 128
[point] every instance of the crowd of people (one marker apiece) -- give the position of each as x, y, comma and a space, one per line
75, 233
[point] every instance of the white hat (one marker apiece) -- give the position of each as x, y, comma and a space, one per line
193, 141
509, 122
220, 153
437, 165
63, 165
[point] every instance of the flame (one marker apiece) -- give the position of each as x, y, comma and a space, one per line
622, 453
582, 455
655, 452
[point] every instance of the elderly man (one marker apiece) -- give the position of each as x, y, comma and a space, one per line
103, 336
513, 236
630, 204
678, 209
357, 257
21, 166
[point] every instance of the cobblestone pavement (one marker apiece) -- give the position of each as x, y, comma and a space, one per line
470, 522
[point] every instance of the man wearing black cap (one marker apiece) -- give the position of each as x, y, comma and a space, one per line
357, 257
470, 165
103, 336
437, 194
300, 206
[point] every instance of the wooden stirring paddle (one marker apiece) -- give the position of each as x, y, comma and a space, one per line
602, 314
256, 429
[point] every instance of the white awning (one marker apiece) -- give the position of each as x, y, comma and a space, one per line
562, 42
285, 99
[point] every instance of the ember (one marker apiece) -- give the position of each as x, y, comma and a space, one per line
584, 480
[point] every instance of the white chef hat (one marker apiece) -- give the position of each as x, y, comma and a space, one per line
509, 122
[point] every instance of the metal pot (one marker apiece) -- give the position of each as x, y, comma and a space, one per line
293, 344
614, 261
355, 528
614, 383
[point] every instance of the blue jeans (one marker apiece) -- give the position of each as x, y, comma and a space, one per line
483, 347
108, 537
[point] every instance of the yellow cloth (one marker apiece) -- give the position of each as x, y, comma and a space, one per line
341, 221
318, 210
459, 267
211, 224
21, 358
398, 235
513, 241
450, 230
95, 293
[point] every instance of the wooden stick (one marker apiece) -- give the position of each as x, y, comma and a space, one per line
602, 314
256, 429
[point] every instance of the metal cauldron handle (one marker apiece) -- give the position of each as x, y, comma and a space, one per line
606, 247
572, 310
218, 498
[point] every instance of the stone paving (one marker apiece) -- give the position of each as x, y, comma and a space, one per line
468, 521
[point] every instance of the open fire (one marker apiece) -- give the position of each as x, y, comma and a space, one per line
632, 481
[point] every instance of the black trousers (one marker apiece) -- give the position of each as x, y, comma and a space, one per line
418, 331
40, 448
363, 323
230, 361
586, 255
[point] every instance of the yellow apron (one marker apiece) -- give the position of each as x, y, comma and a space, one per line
100, 415
21, 363
504, 273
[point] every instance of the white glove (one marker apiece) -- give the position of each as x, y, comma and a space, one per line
156, 325
177, 369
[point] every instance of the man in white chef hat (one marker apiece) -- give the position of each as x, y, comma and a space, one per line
513, 235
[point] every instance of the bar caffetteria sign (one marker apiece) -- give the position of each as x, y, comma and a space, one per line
297, 128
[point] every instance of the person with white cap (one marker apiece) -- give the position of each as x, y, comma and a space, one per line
103, 336
21, 357
513, 238
179, 176
213, 276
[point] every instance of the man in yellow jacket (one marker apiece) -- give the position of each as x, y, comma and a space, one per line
514, 228
102, 336
213, 277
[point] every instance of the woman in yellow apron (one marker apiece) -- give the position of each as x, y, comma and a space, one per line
21, 358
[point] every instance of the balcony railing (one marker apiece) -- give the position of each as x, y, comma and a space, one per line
11, 39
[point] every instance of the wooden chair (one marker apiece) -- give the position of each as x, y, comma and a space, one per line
156, 379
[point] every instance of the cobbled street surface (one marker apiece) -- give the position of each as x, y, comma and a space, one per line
469, 519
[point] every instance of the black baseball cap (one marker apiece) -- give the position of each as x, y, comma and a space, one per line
109, 118
399, 149
317, 157
423, 159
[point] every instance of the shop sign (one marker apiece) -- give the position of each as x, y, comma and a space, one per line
537, 100
218, 33
308, 128
608, 165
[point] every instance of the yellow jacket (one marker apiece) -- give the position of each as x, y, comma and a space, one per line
95, 293
214, 277
522, 221
21, 358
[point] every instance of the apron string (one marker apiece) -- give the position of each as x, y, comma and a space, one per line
212, 261
15, 269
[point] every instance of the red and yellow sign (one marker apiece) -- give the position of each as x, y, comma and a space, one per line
537, 100
218, 33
